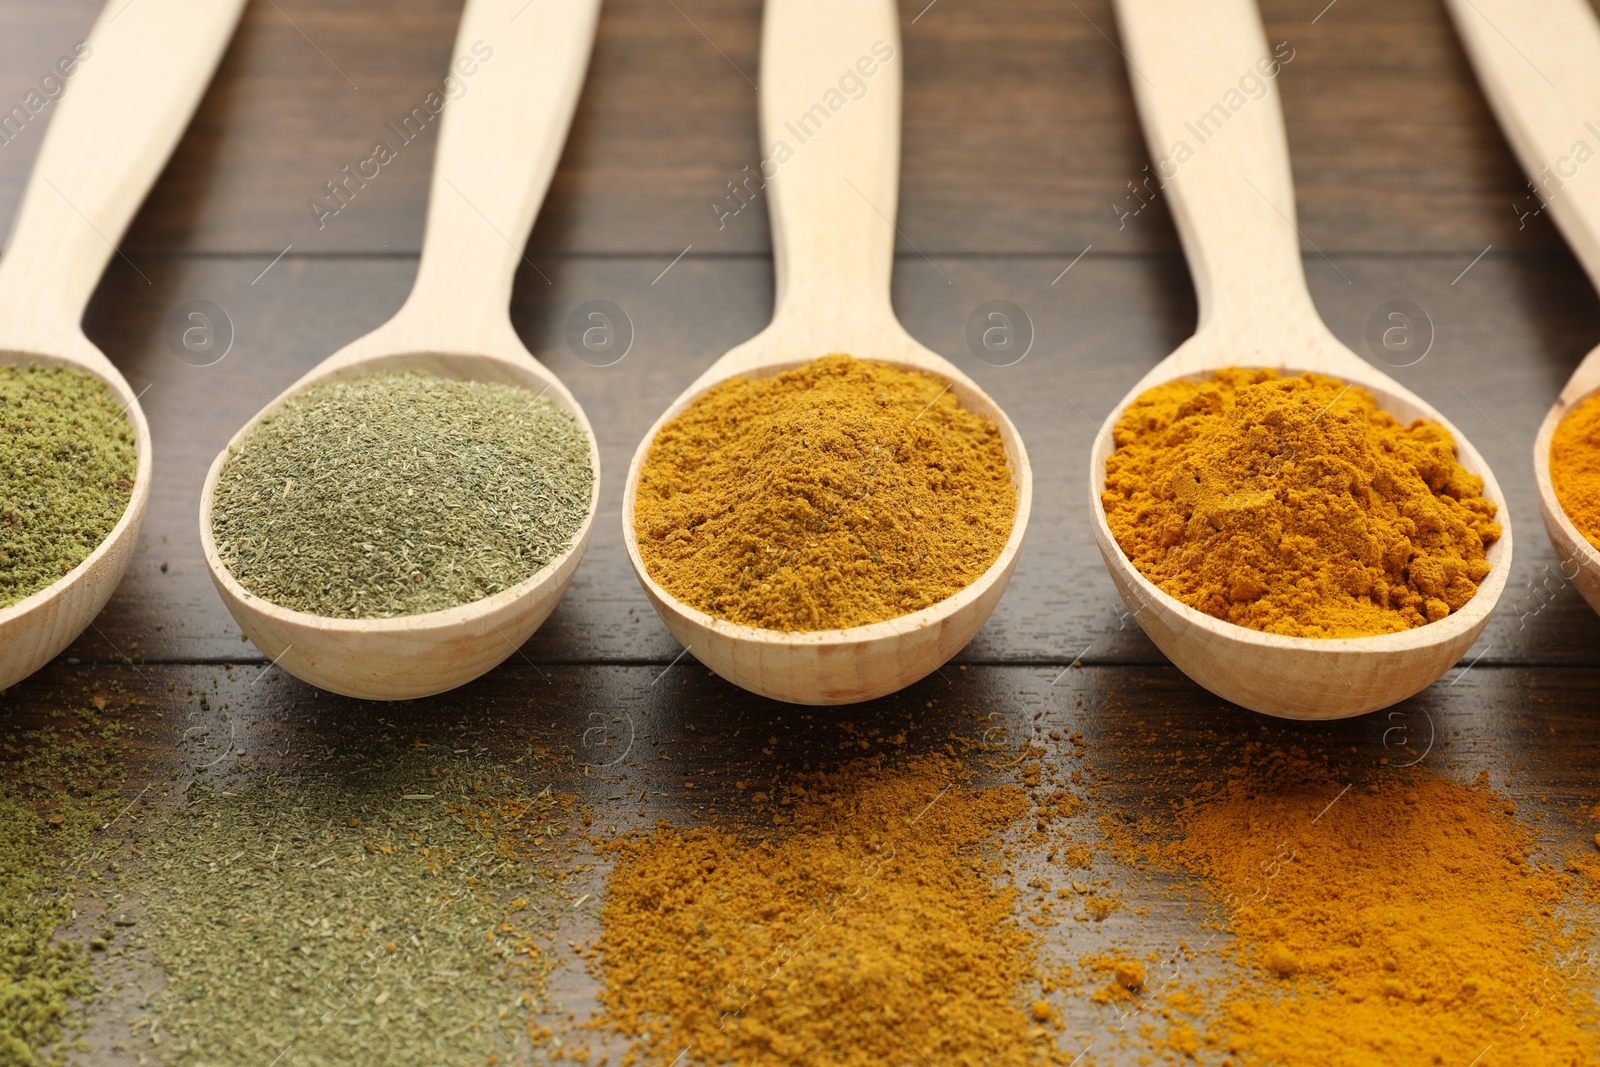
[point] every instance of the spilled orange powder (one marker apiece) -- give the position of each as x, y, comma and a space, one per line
1408, 924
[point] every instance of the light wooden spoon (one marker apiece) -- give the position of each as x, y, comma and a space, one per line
498, 148
832, 204
1557, 41
1233, 200
128, 98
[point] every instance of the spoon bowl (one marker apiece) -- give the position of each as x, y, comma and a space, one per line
840, 666
832, 199
498, 148
406, 656
1544, 89
130, 95
1302, 677
1233, 199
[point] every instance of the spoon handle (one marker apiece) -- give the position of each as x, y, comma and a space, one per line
513, 85
128, 95
830, 137
1539, 65
1204, 78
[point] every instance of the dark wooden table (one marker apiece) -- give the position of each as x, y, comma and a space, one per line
1020, 147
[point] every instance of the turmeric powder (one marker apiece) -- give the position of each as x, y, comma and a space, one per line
867, 926
1402, 922
1296, 506
840, 493
1575, 467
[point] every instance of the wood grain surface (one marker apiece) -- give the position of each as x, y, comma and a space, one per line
1020, 141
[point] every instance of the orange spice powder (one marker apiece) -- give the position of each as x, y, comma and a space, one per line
1295, 505
1408, 921
1575, 467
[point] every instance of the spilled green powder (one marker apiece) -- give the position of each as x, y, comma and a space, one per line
397, 494
67, 464
349, 919
57, 785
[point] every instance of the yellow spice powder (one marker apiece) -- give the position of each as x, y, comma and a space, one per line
868, 926
840, 493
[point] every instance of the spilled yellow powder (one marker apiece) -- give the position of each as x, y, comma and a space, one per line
1407, 923
870, 925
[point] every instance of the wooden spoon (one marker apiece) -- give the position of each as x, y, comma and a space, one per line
1233, 199
1557, 44
129, 95
498, 148
832, 201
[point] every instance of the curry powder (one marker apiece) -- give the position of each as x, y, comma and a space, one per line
1406, 921
1296, 506
840, 493
1575, 467
870, 917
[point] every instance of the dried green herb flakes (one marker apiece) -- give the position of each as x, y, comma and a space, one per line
67, 464
396, 494
340, 920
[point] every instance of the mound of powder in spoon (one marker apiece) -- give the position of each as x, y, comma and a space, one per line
401, 493
1295, 505
67, 465
840, 493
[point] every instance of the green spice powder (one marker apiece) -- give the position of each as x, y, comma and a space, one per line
67, 464
401, 493
57, 785
340, 920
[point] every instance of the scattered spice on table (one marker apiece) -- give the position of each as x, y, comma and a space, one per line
1575, 467
58, 784
1296, 506
401, 493
67, 466
351, 919
1409, 920
869, 923
840, 493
